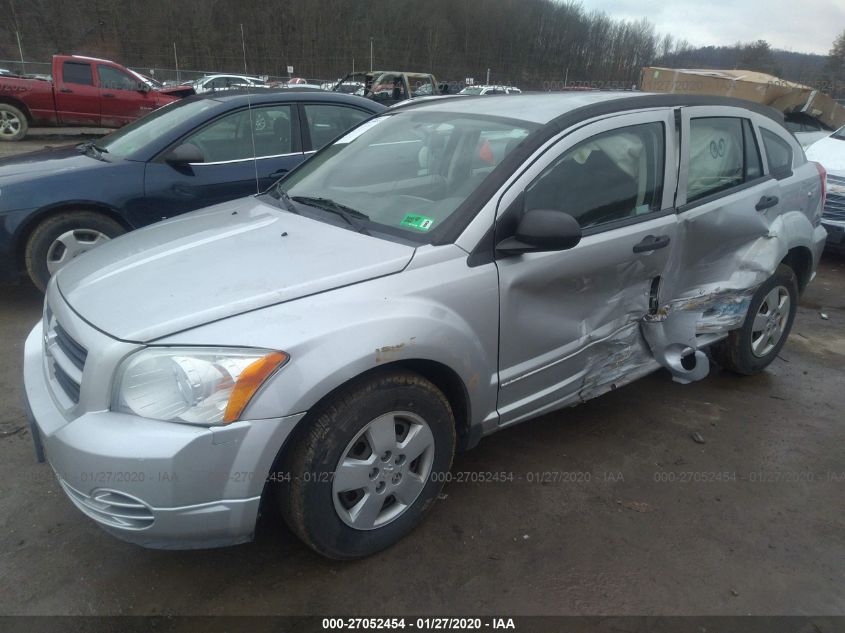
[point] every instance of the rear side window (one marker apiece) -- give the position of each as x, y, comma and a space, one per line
327, 122
778, 154
77, 73
615, 175
723, 154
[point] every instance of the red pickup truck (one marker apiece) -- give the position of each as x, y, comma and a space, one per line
84, 91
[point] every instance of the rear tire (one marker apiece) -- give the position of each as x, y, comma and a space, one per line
13, 123
757, 343
357, 461
62, 237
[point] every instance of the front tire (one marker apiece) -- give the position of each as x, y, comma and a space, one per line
62, 237
767, 324
369, 465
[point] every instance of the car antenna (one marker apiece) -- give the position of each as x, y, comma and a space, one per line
249, 109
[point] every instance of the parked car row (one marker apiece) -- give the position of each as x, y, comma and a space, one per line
216, 83
490, 90
440, 271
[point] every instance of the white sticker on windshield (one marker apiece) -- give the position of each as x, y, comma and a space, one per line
358, 131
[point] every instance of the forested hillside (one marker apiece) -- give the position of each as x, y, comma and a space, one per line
532, 43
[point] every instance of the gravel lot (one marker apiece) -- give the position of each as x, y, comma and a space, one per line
45, 138
749, 522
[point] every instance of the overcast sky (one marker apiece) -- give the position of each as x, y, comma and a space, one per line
803, 26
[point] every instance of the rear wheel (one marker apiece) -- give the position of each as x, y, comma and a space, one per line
13, 123
369, 465
757, 343
63, 237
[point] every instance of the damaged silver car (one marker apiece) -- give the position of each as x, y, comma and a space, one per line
438, 273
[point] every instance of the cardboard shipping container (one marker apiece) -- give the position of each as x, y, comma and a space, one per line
783, 95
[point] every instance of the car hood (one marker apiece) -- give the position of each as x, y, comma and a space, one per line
49, 161
177, 91
218, 262
830, 152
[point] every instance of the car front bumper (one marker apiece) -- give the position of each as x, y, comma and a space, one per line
835, 233
156, 484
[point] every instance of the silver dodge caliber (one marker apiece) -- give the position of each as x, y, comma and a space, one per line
441, 271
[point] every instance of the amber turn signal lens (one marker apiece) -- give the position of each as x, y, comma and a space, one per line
249, 382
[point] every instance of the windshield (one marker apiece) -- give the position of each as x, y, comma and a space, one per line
405, 173
839, 134
129, 139
472, 91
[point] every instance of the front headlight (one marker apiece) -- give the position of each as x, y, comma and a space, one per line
193, 385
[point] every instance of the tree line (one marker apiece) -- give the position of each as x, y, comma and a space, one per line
534, 44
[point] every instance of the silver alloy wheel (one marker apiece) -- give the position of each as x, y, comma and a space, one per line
383, 470
10, 124
72, 244
770, 321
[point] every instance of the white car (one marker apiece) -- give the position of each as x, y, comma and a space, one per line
829, 152
214, 83
490, 90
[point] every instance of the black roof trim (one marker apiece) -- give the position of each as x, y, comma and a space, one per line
612, 106
288, 94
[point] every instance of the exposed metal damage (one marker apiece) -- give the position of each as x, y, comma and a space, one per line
678, 329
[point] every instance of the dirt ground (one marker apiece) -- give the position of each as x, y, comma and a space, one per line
45, 138
632, 515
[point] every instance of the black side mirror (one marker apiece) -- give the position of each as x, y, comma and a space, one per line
184, 154
444, 89
542, 230
143, 87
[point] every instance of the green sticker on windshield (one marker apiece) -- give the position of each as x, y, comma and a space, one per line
418, 222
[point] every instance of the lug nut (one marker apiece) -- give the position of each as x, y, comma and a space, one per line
386, 456
380, 486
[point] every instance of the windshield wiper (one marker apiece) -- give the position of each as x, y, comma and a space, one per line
352, 216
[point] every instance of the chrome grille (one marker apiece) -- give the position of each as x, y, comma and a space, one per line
834, 206
75, 352
70, 386
65, 357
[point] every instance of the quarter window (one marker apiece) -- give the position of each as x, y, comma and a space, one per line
615, 175
231, 137
327, 122
778, 154
77, 73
